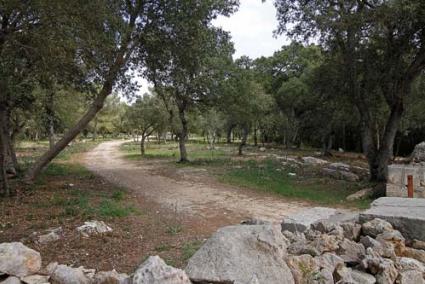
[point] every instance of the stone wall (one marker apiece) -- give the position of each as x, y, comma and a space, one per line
397, 180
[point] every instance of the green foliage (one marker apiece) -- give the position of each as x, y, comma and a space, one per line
189, 249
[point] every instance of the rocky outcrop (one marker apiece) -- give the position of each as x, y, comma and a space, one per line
155, 271
239, 254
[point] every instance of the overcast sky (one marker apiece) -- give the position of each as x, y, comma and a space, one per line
251, 28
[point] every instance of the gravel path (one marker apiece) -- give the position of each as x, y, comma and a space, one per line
198, 197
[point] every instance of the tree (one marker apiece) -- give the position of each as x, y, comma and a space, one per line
379, 49
145, 116
243, 99
186, 67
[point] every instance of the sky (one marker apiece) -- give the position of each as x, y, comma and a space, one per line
251, 28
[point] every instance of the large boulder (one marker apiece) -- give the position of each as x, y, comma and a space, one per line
19, 260
405, 214
155, 271
375, 227
239, 254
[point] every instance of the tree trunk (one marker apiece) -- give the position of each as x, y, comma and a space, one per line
95, 129
96, 106
183, 134
142, 145
229, 134
255, 136
379, 167
5, 189
245, 131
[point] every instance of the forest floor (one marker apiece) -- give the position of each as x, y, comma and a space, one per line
154, 205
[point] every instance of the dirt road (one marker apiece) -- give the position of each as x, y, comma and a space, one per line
189, 193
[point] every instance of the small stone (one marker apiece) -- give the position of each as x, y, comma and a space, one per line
407, 263
294, 237
352, 230
63, 274
93, 227
375, 227
361, 194
383, 248
329, 261
302, 247
418, 244
395, 238
11, 280
155, 271
383, 268
325, 243
51, 236
417, 254
361, 277
111, 277
303, 268
342, 274
19, 260
314, 161
36, 279
350, 251
410, 277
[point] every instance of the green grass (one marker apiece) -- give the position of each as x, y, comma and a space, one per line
189, 249
269, 176
196, 151
174, 229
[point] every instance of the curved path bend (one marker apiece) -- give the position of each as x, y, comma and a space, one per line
196, 197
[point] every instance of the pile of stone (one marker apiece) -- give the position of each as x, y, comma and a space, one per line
319, 245
20, 264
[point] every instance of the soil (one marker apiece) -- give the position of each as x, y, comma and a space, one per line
189, 191
176, 210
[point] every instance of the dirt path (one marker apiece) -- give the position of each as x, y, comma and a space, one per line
194, 196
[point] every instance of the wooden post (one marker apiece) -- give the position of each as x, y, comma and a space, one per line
410, 186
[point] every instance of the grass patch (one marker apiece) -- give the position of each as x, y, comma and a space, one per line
174, 229
111, 208
269, 176
196, 151
189, 249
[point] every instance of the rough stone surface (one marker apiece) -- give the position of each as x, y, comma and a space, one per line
235, 254
383, 268
384, 249
302, 247
361, 277
19, 260
329, 261
302, 221
375, 227
418, 154
405, 214
111, 277
304, 268
340, 174
62, 274
361, 194
410, 277
314, 161
393, 239
415, 253
155, 271
51, 236
11, 280
36, 279
350, 251
407, 263
352, 230
93, 227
